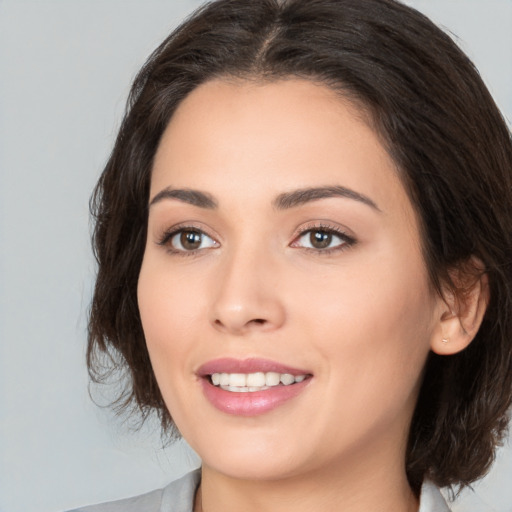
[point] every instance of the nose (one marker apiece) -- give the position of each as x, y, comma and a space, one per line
247, 297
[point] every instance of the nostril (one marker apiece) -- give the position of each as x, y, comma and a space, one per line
234, 326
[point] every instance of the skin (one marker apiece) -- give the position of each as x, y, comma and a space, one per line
360, 316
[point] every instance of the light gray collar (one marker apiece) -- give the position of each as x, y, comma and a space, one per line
431, 499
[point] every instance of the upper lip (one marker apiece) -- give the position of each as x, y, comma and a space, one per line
251, 365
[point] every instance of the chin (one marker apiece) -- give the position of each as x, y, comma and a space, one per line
266, 468
250, 454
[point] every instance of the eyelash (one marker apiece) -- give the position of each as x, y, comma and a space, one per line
168, 235
347, 240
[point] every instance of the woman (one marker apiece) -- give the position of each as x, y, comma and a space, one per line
304, 238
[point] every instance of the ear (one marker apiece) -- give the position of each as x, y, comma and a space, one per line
461, 312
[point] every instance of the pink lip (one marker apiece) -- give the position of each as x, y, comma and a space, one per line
250, 403
230, 365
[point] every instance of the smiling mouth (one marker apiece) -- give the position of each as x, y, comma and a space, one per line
253, 382
251, 387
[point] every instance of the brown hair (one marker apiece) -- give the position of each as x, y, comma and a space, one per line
438, 122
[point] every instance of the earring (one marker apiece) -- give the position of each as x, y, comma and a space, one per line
446, 340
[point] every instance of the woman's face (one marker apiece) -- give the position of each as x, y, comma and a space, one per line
282, 247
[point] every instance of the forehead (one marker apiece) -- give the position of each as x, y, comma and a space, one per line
257, 138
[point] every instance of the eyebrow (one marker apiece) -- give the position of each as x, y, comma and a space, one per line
185, 195
298, 197
281, 202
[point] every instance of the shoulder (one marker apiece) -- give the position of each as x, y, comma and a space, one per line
431, 499
178, 496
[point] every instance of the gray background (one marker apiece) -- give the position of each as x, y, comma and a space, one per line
65, 69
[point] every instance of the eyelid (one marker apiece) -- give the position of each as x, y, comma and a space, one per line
342, 233
167, 234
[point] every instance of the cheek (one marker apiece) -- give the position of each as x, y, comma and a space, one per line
381, 332
374, 348
169, 309
169, 303
373, 326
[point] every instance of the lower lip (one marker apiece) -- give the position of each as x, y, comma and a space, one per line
251, 403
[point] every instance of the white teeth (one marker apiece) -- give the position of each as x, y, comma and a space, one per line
258, 381
237, 389
287, 379
272, 378
244, 389
237, 379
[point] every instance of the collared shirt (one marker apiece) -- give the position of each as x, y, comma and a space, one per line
179, 497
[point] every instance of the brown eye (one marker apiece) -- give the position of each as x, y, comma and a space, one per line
188, 240
320, 239
323, 240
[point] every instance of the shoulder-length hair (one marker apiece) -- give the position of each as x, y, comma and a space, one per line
453, 153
